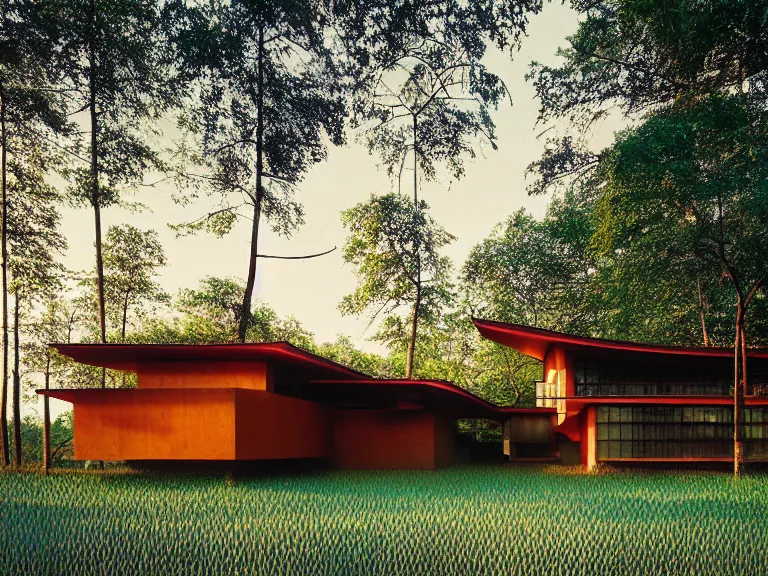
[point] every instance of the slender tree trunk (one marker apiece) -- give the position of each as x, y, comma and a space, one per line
122, 329
737, 391
95, 195
702, 313
414, 329
248, 295
16, 384
744, 371
4, 273
47, 418
94, 174
125, 315
417, 248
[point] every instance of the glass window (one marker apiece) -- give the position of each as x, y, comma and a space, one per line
614, 449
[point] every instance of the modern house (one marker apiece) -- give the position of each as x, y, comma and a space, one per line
627, 402
598, 400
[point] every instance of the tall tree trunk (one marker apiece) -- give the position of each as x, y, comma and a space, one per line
94, 174
414, 329
702, 313
47, 417
125, 315
16, 384
248, 295
743, 344
122, 329
4, 273
95, 195
417, 248
737, 390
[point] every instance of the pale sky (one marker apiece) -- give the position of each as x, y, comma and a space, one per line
492, 188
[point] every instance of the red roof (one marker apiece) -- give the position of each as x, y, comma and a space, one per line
127, 356
445, 396
536, 342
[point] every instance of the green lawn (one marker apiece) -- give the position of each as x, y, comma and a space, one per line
465, 520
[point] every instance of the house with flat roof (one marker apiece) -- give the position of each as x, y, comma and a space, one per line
597, 401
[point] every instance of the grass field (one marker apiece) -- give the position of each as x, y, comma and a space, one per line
464, 520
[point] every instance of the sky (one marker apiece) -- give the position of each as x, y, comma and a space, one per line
492, 188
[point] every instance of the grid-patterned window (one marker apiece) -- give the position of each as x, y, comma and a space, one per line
678, 432
664, 432
756, 434
594, 378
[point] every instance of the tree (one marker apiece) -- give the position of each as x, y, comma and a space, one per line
61, 436
35, 241
53, 324
673, 58
395, 247
118, 64
636, 55
693, 178
342, 350
535, 272
267, 93
131, 261
31, 109
211, 314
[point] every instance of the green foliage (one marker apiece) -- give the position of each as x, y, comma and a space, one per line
462, 520
534, 273
34, 236
265, 98
344, 352
395, 249
117, 55
62, 447
688, 189
637, 54
422, 86
131, 261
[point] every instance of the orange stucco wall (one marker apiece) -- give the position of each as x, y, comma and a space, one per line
204, 374
270, 426
383, 439
200, 424
156, 424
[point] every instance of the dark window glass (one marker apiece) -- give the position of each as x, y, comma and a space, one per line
675, 432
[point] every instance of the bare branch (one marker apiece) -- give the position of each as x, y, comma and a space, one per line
296, 257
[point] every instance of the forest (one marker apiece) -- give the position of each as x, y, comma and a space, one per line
660, 237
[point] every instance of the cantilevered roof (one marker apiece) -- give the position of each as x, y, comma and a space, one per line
128, 356
438, 395
536, 342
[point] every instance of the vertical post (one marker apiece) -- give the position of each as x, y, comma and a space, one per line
47, 417
589, 438
4, 269
737, 389
507, 438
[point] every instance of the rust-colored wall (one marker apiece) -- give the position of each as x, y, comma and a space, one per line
444, 434
270, 426
156, 425
204, 374
384, 439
